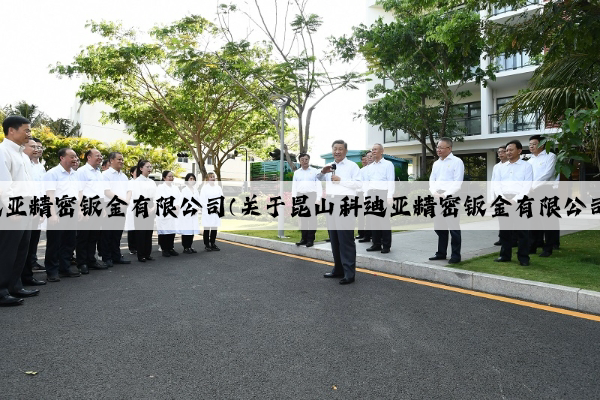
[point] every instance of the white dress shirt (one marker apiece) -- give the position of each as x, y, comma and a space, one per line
63, 182
447, 175
515, 178
496, 178
381, 176
142, 186
91, 181
543, 168
117, 182
350, 182
305, 181
364, 177
15, 171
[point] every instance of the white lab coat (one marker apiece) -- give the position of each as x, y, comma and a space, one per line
167, 225
188, 224
210, 192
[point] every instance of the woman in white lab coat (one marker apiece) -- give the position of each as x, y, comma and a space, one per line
210, 222
168, 199
144, 224
189, 223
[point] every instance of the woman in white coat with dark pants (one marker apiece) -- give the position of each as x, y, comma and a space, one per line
210, 222
189, 221
166, 217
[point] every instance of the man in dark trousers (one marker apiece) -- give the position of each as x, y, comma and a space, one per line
91, 185
61, 234
15, 180
306, 184
544, 221
380, 179
341, 184
444, 184
512, 186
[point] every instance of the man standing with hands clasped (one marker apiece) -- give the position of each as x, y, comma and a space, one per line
445, 180
380, 175
343, 179
305, 183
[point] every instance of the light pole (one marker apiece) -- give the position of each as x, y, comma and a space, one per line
246, 174
281, 102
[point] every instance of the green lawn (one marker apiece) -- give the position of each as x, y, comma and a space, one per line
268, 230
576, 264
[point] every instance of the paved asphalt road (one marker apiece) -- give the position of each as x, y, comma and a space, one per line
247, 324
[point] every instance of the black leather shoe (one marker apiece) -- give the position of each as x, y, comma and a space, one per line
310, 244
33, 282
332, 275
98, 266
524, 263
498, 243
122, 261
207, 248
132, 252
556, 247
384, 251
166, 254
173, 253
500, 259
346, 281
109, 263
545, 254
454, 261
301, 243
21, 293
69, 274
83, 269
214, 247
187, 251
150, 258
192, 251
53, 279
435, 258
37, 267
141, 259
374, 248
8, 301
364, 240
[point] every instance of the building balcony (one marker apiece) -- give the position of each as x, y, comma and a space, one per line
517, 123
466, 127
502, 10
515, 61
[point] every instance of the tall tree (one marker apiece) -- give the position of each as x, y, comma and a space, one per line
169, 89
426, 55
300, 72
29, 111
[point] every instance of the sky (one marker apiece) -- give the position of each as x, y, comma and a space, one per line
47, 32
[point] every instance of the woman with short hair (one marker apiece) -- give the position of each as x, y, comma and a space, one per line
168, 199
210, 222
189, 223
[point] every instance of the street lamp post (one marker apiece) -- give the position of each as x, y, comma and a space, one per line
281, 102
246, 174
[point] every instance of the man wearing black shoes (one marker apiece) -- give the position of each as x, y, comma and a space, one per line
446, 180
15, 180
306, 184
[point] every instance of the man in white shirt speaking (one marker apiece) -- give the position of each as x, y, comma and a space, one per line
544, 177
380, 187
305, 183
446, 180
341, 184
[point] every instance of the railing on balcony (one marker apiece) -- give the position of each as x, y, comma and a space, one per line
514, 61
518, 122
466, 127
502, 10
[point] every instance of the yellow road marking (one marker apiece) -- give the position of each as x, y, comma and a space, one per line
523, 303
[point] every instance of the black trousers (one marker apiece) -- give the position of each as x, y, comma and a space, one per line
131, 241
187, 241
166, 242
60, 245
381, 228
509, 222
442, 225
544, 221
341, 233
209, 236
364, 220
87, 240
144, 228
308, 225
112, 230
27, 273
14, 246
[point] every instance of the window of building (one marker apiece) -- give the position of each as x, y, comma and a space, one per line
519, 121
469, 120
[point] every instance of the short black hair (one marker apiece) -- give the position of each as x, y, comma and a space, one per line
132, 169
15, 122
190, 175
105, 162
113, 154
165, 173
62, 152
88, 153
446, 140
502, 147
303, 155
516, 143
340, 141
36, 140
139, 166
539, 138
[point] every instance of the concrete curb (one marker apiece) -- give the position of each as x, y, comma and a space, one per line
555, 295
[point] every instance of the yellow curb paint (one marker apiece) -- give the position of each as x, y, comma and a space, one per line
503, 299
